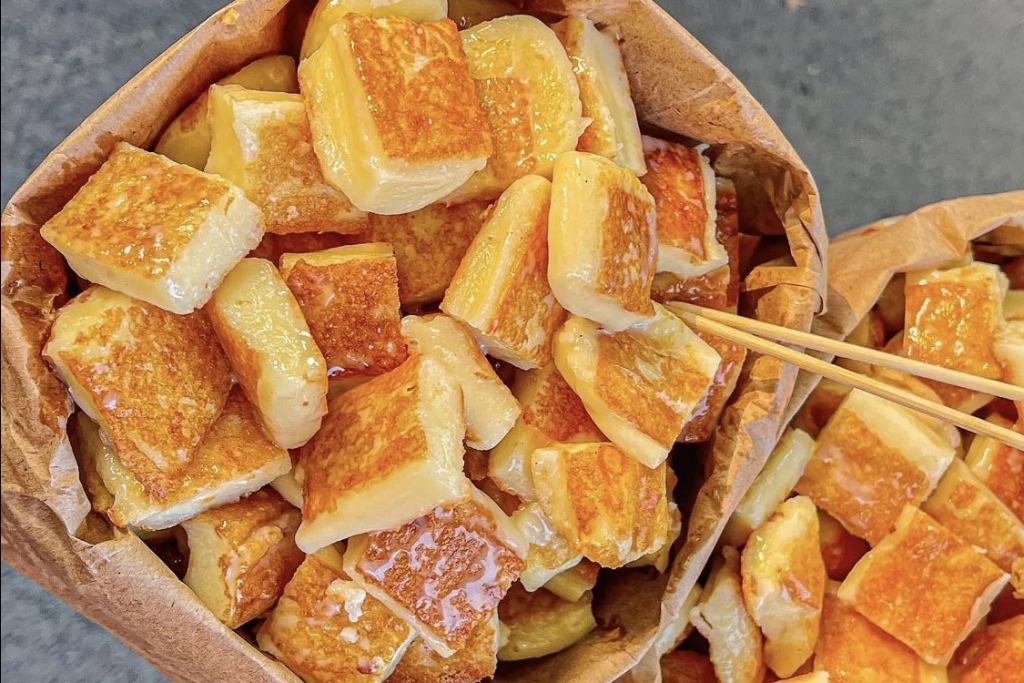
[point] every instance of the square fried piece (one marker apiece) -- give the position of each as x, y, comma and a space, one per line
549, 554
393, 111
490, 407
551, 413
701, 426
872, 459
640, 386
541, 623
390, 450
783, 584
477, 660
158, 231
527, 89
501, 288
261, 143
155, 381
429, 245
609, 507
923, 586
262, 329
349, 297
992, 654
233, 460
1009, 349
327, 13
444, 572
952, 316
602, 241
999, 466
604, 92
575, 581
326, 628
241, 555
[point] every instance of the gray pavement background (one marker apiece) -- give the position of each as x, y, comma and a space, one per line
891, 104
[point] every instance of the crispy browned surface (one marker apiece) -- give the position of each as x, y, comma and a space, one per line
993, 654
1006, 479
557, 411
449, 568
506, 103
137, 213
422, 114
705, 417
476, 661
627, 258
686, 666
675, 180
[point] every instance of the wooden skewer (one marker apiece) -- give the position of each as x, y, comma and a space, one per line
839, 374
857, 353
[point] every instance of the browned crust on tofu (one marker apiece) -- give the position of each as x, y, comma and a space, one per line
558, 412
675, 179
476, 661
705, 416
628, 258
993, 654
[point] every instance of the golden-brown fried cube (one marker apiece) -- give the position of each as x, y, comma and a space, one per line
853, 650
1009, 349
155, 381
429, 245
604, 92
952, 316
926, 390
683, 186
326, 628
389, 451
501, 287
234, 459
687, 666
783, 584
158, 231
965, 506
327, 13
551, 413
444, 572
721, 617
602, 241
262, 329
541, 623
477, 660
489, 405
992, 654
549, 553
242, 554
574, 582
349, 297
923, 586
999, 466
701, 426
840, 550
609, 507
781, 472
261, 143
640, 386
393, 110
872, 459
526, 87
659, 559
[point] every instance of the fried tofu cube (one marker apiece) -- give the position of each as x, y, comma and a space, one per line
820, 406
188, 137
701, 427
549, 553
659, 559
489, 405
501, 287
640, 386
327, 13
477, 660
1013, 305
390, 450
233, 460
609, 507
965, 506
871, 459
952, 316
999, 466
572, 583
261, 143
604, 92
349, 297
158, 231
992, 654
783, 584
923, 586
266, 338
394, 129
926, 390
773, 485
853, 650
687, 666
722, 618
326, 628
1009, 349
541, 623
840, 549
602, 241
525, 84
444, 572
429, 245
155, 381
242, 554
551, 413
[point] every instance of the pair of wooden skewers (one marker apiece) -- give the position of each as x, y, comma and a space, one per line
763, 337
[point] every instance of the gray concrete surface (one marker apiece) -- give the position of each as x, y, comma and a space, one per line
892, 105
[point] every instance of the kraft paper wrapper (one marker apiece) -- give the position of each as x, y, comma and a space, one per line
48, 531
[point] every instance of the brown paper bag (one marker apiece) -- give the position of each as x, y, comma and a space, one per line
48, 531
